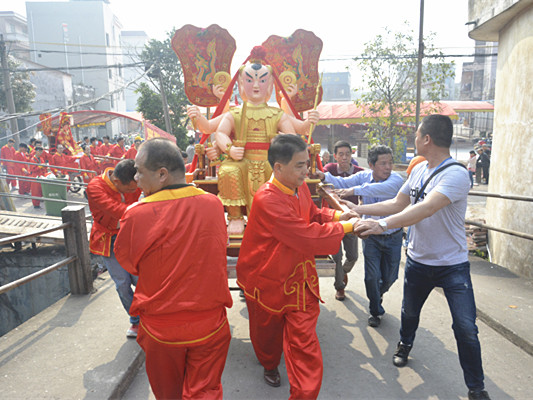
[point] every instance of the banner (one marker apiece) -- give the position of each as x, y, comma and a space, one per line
152, 131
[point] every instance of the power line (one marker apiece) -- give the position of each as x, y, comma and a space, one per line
103, 66
57, 111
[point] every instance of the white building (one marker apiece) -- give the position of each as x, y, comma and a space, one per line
133, 43
81, 38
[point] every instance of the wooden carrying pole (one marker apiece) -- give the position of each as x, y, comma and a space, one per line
314, 108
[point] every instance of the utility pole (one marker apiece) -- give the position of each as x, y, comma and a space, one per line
165, 103
8, 89
419, 70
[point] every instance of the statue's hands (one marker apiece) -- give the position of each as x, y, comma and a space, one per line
237, 153
344, 193
218, 91
291, 90
212, 152
193, 112
313, 116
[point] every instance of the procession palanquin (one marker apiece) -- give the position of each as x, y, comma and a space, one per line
288, 65
62, 135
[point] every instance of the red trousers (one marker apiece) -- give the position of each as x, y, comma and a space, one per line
293, 333
186, 372
11, 181
36, 191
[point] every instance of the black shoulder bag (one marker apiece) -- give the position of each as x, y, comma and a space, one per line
421, 191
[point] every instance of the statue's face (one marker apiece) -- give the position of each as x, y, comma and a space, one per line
255, 86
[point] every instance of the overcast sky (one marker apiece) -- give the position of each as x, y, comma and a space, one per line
343, 25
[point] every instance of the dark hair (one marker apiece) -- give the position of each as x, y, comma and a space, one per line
162, 153
283, 148
105, 137
93, 139
439, 128
184, 155
125, 171
38, 141
85, 138
38, 148
11, 140
472, 152
191, 141
23, 145
341, 143
377, 150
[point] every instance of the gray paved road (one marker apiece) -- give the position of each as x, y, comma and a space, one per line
357, 358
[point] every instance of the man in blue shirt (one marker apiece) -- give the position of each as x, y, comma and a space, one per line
382, 252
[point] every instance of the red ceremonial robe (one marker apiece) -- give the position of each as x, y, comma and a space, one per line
131, 153
277, 271
107, 205
117, 151
182, 292
37, 171
88, 163
8, 153
104, 150
22, 170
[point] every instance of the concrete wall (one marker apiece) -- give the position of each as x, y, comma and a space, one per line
23, 302
511, 162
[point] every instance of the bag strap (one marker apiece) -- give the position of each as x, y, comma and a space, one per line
432, 176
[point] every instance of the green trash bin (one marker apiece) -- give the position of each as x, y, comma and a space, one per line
55, 191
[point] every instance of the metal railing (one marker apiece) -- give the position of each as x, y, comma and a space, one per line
77, 248
495, 228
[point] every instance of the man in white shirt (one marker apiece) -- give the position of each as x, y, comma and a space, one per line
437, 253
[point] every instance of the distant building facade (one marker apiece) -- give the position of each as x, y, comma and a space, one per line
478, 80
73, 35
133, 43
336, 86
15, 31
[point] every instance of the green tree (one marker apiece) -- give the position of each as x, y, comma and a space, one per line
389, 74
23, 89
162, 59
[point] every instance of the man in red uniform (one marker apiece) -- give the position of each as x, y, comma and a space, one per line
103, 151
60, 159
8, 153
132, 151
118, 149
94, 146
109, 195
277, 272
344, 167
22, 169
88, 162
182, 292
37, 171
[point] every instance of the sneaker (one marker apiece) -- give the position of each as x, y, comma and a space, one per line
374, 322
132, 331
400, 356
339, 295
478, 395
